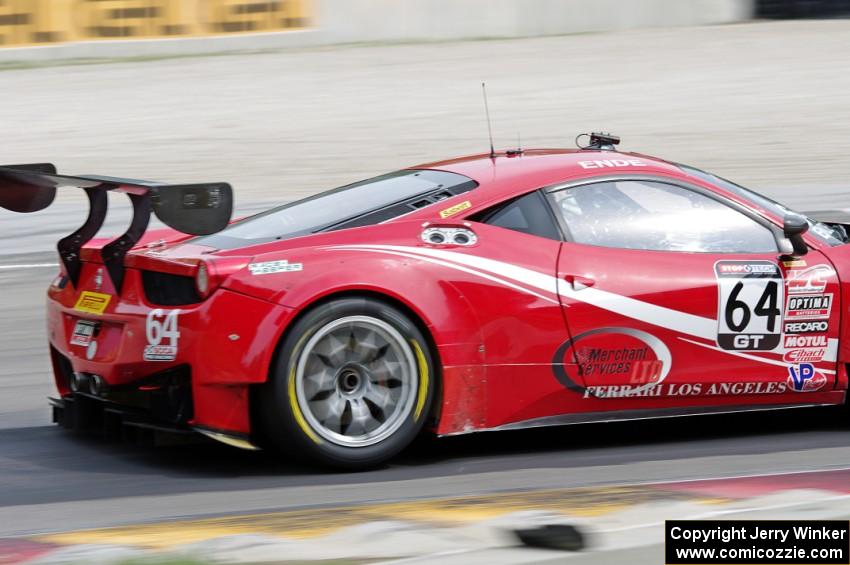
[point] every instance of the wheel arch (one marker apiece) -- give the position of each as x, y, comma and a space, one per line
406, 308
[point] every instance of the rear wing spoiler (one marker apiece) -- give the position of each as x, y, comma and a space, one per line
196, 209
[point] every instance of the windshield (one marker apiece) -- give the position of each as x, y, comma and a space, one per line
823, 232
363, 203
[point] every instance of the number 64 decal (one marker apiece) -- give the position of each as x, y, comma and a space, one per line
162, 335
750, 303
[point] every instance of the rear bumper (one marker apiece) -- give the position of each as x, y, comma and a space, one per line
225, 344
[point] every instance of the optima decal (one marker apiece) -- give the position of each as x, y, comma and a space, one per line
749, 305
638, 358
809, 307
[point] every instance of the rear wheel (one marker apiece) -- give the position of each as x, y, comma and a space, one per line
352, 385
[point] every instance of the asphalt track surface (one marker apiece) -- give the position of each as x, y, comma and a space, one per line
53, 480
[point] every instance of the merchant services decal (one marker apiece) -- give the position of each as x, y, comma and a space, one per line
603, 357
750, 299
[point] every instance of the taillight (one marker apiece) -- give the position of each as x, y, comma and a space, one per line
205, 279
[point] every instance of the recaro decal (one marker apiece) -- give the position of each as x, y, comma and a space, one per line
749, 305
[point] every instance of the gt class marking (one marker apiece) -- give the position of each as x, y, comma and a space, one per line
92, 302
161, 324
749, 305
466, 204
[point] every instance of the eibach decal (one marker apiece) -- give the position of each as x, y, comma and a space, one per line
808, 307
750, 299
163, 335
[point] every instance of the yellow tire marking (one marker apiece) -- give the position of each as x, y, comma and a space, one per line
422, 396
293, 398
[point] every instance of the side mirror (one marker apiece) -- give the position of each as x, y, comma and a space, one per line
793, 227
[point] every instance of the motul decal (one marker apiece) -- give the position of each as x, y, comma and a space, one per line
749, 305
809, 281
808, 307
793, 341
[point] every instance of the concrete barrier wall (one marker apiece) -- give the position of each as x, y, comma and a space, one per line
39, 30
404, 20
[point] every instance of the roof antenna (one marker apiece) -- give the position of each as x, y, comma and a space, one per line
489, 128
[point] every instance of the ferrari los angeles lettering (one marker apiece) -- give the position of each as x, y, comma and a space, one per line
161, 326
687, 389
749, 305
809, 307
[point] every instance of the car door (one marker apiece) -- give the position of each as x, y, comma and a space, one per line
671, 291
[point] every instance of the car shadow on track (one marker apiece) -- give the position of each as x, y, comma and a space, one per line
46, 464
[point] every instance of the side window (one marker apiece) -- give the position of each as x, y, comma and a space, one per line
657, 216
527, 214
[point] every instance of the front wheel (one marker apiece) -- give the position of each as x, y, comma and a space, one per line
352, 385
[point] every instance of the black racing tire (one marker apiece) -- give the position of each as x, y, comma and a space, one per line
312, 372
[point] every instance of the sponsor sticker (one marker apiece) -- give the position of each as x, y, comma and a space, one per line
794, 341
804, 355
750, 298
809, 281
455, 209
806, 327
92, 302
162, 333
804, 378
609, 355
794, 263
808, 307
271, 267
83, 334
611, 163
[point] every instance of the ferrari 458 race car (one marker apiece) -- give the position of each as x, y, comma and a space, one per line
498, 291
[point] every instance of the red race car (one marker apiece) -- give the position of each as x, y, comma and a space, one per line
499, 291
